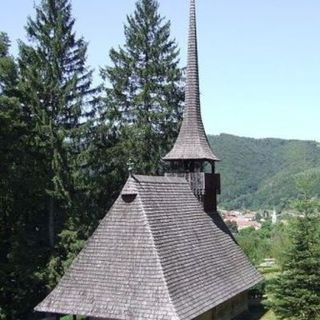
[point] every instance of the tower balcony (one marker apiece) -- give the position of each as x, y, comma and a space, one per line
205, 187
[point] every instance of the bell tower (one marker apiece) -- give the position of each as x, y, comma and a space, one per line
191, 155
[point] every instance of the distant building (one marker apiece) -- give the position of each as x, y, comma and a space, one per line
162, 252
274, 216
242, 220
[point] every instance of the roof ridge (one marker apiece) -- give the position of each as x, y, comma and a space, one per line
159, 179
158, 259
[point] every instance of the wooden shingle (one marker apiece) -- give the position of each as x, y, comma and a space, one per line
159, 256
192, 142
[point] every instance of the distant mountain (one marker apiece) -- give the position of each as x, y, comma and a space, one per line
262, 173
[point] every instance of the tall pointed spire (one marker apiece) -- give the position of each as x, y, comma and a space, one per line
192, 142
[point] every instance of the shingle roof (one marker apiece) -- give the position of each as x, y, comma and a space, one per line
192, 142
157, 256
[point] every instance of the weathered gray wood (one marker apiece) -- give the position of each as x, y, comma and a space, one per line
159, 256
192, 142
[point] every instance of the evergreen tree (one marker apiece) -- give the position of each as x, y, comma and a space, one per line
295, 294
56, 86
8, 111
8, 68
144, 101
20, 209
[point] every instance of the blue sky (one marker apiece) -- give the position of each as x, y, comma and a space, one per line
259, 59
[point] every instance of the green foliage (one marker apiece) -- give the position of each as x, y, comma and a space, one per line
254, 243
8, 69
55, 84
271, 271
70, 246
56, 87
295, 293
279, 242
258, 291
144, 102
232, 226
258, 216
269, 241
262, 173
44, 100
19, 188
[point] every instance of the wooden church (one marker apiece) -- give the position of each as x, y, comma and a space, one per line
162, 252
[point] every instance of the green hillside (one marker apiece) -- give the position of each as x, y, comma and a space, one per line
261, 173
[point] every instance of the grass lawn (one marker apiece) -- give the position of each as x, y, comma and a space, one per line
269, 316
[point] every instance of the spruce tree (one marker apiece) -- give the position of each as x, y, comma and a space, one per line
145, 94
8, 68
21, 235
8, 135
295, 294
56, 90
56, 86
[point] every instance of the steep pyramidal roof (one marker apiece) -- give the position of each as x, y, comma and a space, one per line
192, 142
153, 258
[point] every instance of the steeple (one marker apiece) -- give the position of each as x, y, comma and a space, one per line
192, 150
192, 142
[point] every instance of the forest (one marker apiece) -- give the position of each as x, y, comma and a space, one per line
262, 174
66, 147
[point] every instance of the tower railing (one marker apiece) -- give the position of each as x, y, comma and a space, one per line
201, 183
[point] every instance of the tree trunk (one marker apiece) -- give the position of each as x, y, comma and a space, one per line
51, 222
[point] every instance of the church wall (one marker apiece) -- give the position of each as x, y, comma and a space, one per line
206, 316
227, 310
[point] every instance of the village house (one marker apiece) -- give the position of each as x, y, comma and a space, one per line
242, 220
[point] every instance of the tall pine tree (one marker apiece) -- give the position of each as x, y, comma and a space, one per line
145, 94
56, 89
21, 183
295, 294
56, 86
9, 132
